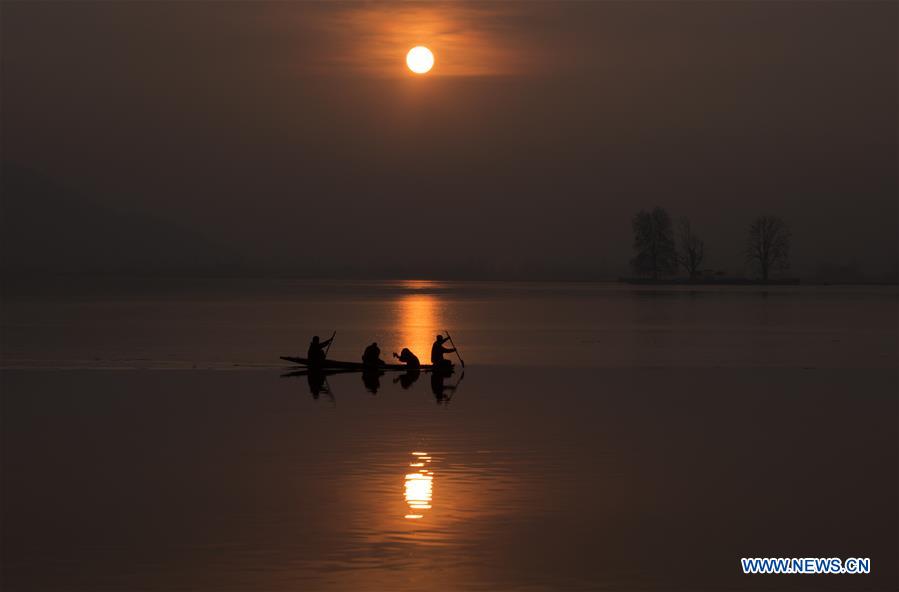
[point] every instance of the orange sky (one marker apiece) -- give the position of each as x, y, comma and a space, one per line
465, 38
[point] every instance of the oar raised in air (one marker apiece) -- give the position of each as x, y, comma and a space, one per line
330, 341
461, 361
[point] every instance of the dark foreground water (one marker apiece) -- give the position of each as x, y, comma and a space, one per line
602, 437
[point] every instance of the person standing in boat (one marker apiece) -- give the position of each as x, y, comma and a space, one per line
316, 353
437, 351
372, 355
408, 358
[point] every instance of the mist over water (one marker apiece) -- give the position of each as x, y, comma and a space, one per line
602, 436
187, 323
169, 171
289, 137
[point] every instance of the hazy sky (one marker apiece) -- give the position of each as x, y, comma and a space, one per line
289, 135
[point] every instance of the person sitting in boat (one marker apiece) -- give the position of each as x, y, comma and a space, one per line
372, 355
316, 354
437, 351
408, 358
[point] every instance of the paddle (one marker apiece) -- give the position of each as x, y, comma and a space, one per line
333, 335
461, 361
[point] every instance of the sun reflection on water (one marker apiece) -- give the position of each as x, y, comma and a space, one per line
419, 320
419, 489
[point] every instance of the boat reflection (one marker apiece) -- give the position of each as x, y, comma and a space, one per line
316, 379
419, 488
408, 378
439, 388
371, 379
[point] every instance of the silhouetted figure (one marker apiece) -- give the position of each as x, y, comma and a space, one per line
408, 378
408, 358
437, 351
371, 378
316, 354
372, 355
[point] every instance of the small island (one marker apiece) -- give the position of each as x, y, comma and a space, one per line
660, 255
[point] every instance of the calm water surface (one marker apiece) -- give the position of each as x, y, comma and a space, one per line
602, 437
153, 323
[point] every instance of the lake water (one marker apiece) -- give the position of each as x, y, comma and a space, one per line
602, 436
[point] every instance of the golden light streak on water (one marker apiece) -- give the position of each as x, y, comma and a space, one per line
419, 487
419, 322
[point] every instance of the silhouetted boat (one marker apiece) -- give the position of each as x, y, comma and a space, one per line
359, 366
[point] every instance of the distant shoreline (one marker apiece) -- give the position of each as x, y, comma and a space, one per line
740, 281
29, 275
710, 281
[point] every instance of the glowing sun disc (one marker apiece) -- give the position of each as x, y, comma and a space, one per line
420, 59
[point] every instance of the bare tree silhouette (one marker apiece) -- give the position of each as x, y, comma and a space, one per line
691, 249
654, 243
768, 246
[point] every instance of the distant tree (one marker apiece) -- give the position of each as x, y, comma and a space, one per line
768, 246
691, 248
654, 243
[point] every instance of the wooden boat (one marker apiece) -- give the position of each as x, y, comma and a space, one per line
360, 367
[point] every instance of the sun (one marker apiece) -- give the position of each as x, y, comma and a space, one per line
420, 59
